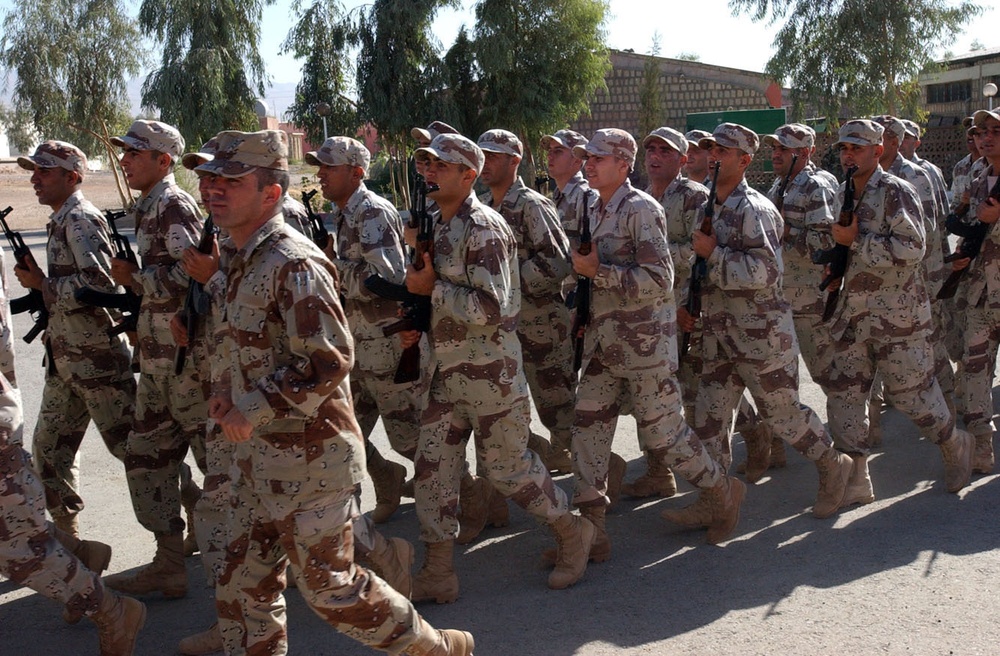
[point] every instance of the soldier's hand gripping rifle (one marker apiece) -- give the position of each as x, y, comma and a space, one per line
128, 302
32, 302
320, 235
973, 235
197, 303
700, 269
416, 308
837, 258
779, 202
584, 289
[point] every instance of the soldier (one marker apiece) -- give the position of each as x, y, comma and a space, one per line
543, 326
966, 169
697, 158
908, 149
982, 295
566, 169
287, 406
883, 318
477, 378
296, 215
630, 353
89, 372
171, 410
748, 335
369, 241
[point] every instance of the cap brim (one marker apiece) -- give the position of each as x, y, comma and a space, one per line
313, 159
983, 115
26, 163
420, 134
226, 168
127, 142
706, 142
857, 141
192, 161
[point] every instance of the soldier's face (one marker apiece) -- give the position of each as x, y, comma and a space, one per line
499, 169
781, 158
890, 148
560, 162
453, 180
989, 139
909, 146
237, 204
337, 182
605, 173
864, 157
205, 181
697, 164
732, 162
663, 162
143, 168
53, 185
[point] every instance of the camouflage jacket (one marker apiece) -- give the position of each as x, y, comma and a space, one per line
633, 318
983, 280
884, 295
6, 326
475, 305
806, 212
289, 352
542, 246
296, 216
683, 203
79, 255
167, 221
962, 176
934, 269
742, 300
569, 203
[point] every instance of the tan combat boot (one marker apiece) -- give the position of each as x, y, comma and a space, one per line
616, 475
119, 620
574, 540
208, 641
875, 422
437, 581
957, 454
601, 549
724, 500
68, 523
166, 574
834, 470
778, 457
480, 504
388, 478
758, 442
95, 556
539, 445
859, 485
560, 458
696, 515
982, 459
657, 481
446, 642
190, 494
392, 559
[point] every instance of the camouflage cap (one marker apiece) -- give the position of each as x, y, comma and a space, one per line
912, 128
980, 118
967, 122
152, 135
609, 142
694, 137
669, 136
455, 149
892, 125
336, 151
242, 153
565, 138
733, 135
500, 141
860, 132
792, 135
206, 153
432, 130
55, 155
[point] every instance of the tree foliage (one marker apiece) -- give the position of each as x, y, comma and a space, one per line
865, 54
650, 98
71, 60
321, 38
541, 62
211, 71
464, 86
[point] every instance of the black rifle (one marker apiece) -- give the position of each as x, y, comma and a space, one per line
127, 302
197, 303
416, 308
700, 269
836, 258
584, 288
973, 235
320, 235
32, 302
779, 202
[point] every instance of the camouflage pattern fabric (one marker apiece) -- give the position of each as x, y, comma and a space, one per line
296, 216
6, 325
478, 382
569, 203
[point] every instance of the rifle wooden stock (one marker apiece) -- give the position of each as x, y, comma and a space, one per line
699, 271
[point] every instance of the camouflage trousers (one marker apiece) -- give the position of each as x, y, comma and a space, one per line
774, 387
211, 513
501, 438
906, 366
811, 331
688, 375
943, 369
982, 339
171, 415
66, 410
29, 554
547, 352
313, 531
655, 401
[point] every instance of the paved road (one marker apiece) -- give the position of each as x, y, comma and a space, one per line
916, 572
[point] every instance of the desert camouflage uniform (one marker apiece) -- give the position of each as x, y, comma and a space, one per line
6, 327
569, 203
630, 353
544, 322
962, 176
477, 383
807, 213
748, 335
296, 216
883, 320
369, 236
171, 411
289, 353
940, 197
90, 375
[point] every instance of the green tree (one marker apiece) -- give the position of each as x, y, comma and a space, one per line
211, 71
865, 54
71, 60
650, 98
320, 38
464, 87
541, 61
